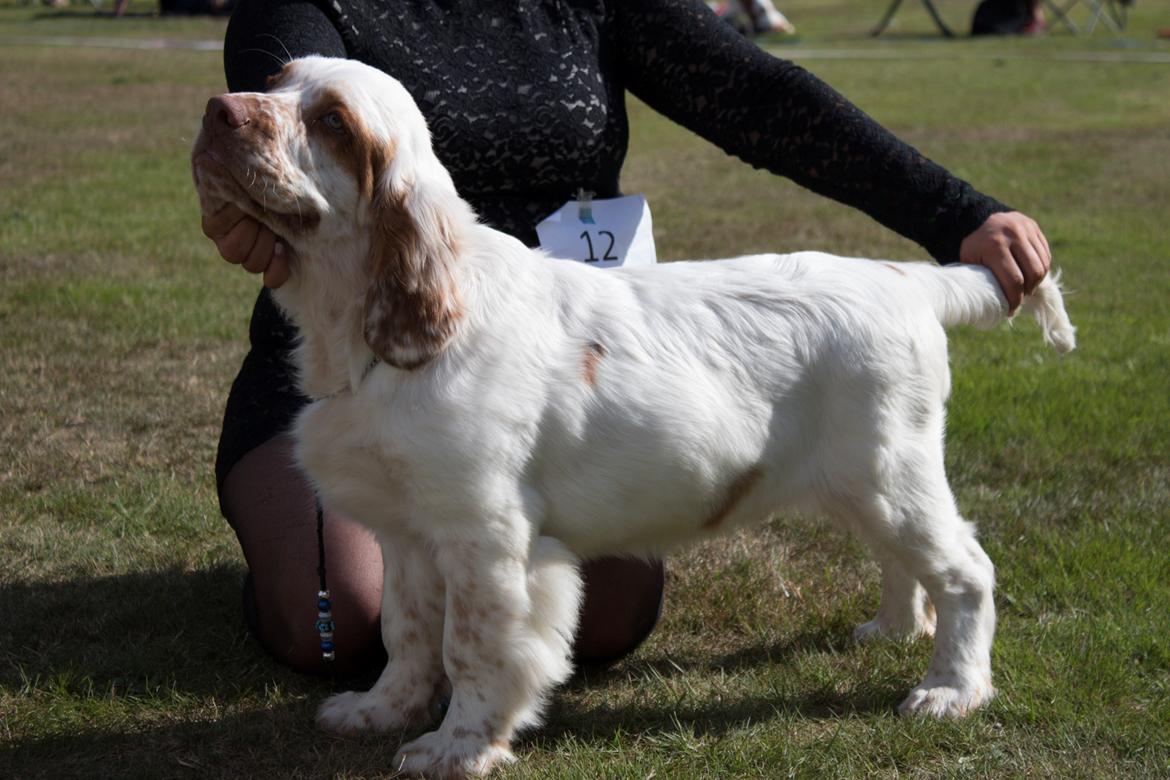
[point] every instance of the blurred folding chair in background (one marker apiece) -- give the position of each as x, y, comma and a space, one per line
1111, 13
893, 9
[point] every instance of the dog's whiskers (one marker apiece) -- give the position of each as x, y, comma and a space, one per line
287, 53
267, 53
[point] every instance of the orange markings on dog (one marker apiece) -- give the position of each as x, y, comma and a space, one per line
735, 493
594, 352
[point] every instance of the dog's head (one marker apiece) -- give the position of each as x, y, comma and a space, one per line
336, 159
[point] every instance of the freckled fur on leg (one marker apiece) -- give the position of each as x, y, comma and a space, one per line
412, 620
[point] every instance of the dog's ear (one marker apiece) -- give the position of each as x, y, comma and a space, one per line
412, 305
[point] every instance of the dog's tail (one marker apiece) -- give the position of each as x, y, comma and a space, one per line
971, 295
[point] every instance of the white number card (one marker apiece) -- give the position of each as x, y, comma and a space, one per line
606, 233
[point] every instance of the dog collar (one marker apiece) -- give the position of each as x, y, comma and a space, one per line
370, 366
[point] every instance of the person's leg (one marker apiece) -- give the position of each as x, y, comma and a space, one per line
273, 511
623, 600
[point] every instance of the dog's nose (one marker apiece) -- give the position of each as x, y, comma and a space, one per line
226, 111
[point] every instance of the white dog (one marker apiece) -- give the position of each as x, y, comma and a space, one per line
496, 416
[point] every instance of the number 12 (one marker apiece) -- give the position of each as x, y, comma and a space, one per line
608, 255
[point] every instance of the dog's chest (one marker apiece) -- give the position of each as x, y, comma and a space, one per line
343, 449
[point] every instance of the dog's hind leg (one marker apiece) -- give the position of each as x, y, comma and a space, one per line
960, 578
412, 631
905, 612
507, 642
915, 521
904, 509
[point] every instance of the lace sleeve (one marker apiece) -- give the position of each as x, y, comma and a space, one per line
684, 62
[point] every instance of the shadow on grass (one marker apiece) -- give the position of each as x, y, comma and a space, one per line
177, 637
281, 740
719, 715
133, 633
154, 675
833, 634
274, 741
715, 717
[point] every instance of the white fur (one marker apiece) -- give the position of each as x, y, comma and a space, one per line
579, 412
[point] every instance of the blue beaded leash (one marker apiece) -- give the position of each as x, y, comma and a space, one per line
324, 623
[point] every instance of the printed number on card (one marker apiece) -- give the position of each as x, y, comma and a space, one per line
605, 233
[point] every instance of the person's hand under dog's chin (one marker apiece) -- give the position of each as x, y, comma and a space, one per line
242, 240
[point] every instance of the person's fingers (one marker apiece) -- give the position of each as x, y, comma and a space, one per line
217, 225
1028, 261
260, 253
1009, 276
1041, 242
242, 240
1014, 248
237, 244
277, 271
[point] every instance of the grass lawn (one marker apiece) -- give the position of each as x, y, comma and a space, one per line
122, 649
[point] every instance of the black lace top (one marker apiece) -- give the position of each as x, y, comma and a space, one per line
525, 101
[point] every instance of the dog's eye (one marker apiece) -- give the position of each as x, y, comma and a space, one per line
334, 121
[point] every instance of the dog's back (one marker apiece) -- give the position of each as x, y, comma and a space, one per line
805, 362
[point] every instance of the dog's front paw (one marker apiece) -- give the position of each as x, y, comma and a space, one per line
946, 701
452, 756
371, 711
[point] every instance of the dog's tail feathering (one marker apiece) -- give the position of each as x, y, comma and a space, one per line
971, 295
